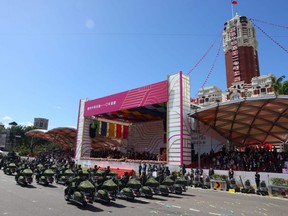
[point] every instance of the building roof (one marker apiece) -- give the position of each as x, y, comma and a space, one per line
248, 121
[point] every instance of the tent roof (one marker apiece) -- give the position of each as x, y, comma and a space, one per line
248, 121
60, 135
67, 136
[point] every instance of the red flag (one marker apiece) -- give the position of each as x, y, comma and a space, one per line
234, 2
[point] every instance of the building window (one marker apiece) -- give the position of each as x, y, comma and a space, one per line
263, 90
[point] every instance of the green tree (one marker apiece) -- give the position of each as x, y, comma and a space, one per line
277, 85
284, 88
17, 135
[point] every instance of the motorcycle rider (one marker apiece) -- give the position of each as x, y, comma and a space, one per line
167, 171
124, 180
143, 178
74, 182
20, 169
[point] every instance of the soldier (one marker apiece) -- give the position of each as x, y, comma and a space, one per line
211, 172
230, 174
183, 169
257, 179
139, 169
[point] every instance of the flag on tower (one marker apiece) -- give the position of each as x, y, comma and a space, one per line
234, 2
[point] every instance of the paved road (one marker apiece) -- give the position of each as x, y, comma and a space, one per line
41, 201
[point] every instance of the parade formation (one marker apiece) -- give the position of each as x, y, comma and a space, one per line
84, 186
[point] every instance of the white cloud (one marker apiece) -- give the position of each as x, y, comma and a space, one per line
7, 118
89, 23
26, 123
58, 107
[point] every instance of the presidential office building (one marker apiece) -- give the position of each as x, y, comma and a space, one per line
241, 50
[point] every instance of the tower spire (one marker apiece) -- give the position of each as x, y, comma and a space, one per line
234, 5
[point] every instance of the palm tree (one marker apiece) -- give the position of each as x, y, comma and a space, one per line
276, 84
284, 88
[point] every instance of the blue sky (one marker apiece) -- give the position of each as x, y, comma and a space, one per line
55, 52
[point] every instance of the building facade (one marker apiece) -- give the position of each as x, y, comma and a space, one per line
241, 50
41, 123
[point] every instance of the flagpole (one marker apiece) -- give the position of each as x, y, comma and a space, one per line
232, 10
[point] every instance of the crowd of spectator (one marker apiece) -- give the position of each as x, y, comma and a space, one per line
252, 159
116, 154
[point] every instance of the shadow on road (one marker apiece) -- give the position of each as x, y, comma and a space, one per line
138, 201
41, 186
28, 186
89, 207
158, 198
188, 195
175, 196
116, 205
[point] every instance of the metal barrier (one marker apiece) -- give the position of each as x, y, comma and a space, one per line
218, 184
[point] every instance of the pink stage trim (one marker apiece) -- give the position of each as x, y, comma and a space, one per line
181, 118
147, 95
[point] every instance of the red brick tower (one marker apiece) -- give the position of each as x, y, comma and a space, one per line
240, 47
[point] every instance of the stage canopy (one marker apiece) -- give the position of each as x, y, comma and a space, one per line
252, 121
147, 113
64, 136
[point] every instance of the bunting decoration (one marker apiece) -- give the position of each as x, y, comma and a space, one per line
111, 130
103, 128
107, 129
125, 132
97, 127
118, 131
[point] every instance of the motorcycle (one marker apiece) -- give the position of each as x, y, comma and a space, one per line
153, 185
106, 192
82, 194
130, 190
162, 189
180, 185
167, 184
146, 191
206, 182
45, 177
62, 177
198, 180
247, 188
25, 177
263, 190
9, 168
174, 184
233, 185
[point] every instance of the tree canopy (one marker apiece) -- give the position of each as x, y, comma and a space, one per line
279, 85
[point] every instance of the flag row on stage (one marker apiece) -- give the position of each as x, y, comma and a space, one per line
112, 130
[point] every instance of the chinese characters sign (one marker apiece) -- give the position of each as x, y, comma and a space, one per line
235, 53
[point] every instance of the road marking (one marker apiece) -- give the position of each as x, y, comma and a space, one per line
212, 213
143, 200
176, 206
160, 203
196, 210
